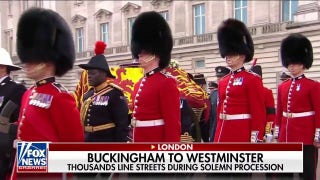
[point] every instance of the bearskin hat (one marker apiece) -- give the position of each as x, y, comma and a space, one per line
43, 36
296, 49
234, 38
151, 33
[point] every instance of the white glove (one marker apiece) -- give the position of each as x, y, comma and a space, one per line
317, 135
254, 136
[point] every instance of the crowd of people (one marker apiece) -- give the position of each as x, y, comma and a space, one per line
241, 108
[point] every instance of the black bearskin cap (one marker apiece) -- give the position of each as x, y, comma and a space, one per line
296, 49
44, 36
234, 38
151, 33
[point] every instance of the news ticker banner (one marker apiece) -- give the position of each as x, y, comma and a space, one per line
154, 158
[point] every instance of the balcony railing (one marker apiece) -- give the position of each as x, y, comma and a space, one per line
122, 49
201, 38
184, 40
268, 28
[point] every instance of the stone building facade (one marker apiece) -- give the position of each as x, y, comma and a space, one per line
193, 23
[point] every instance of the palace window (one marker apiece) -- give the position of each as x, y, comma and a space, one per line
104, 29
199, 18
289, 8
240, 10
80, 39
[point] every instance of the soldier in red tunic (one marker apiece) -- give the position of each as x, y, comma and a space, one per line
298, 105
241, 110
270, 111
48, 112
269, 103
156, 113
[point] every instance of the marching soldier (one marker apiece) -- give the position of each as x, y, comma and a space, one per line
10, 101
241, 105
241, 110
269, 103
156, 113
221, 71
49, 113
298, 105
104, 111
212, 86
270, 111
205, 115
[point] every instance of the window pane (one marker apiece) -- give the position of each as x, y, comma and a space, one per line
199, 64
199, 19
79, 33
244, 3
80, 46
130, 23
237, 3
197, 10
237, 14
285, 10
294, 7
105, 32
203, 27
244, 15
197, 25
203, 9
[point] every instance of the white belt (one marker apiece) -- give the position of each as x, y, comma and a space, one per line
234, 116
147, 123
296, 115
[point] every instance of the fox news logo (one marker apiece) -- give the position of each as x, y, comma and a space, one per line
32, 156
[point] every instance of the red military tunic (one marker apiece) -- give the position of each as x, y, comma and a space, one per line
241, 108
270, 109
48, 113
156, 114
298, 97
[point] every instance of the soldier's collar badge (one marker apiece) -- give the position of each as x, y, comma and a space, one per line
238, 70
153, 71
299, 77
45, 81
